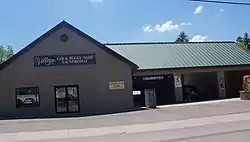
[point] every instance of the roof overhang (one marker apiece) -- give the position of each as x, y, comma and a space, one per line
162, 71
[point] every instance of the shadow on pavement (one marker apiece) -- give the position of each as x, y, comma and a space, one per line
75, 115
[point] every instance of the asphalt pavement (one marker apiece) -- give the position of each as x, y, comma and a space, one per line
225, 120
177, 112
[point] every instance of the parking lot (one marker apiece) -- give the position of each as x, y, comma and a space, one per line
161, 114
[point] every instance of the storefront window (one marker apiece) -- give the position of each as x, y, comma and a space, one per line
27, 97
67, 99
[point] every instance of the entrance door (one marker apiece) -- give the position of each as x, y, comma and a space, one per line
67, 99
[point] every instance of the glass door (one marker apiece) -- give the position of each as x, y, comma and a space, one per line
67, 99
72, 94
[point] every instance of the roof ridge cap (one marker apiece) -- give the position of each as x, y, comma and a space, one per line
140, 43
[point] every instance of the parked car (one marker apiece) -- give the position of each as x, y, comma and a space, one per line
191, 93
29, 101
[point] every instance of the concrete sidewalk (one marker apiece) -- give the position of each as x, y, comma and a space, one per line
163, 114
128, 129
228, 132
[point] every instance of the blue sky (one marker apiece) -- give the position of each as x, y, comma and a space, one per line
22, 21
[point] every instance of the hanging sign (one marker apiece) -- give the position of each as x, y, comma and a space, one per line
60, 60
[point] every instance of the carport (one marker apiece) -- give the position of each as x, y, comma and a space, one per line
234, 82
214, 68
206, 84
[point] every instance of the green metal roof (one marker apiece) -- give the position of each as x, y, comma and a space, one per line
182, 55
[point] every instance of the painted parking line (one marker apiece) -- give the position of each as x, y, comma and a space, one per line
128, 129
200, 103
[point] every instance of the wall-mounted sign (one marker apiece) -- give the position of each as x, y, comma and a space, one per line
177, 81
116, 85
153, 78
222, 82
59, 60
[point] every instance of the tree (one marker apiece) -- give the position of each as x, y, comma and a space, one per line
182, 37
239, 39
246, 39
5, 53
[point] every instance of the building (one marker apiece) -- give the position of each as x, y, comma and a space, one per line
215, 68
67, 73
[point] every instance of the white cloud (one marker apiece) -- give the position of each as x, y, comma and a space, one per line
221, 10
96, 1
185, 24
198, 10
168, 26
147, 29
199, 38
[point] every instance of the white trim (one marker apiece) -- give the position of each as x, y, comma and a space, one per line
200, 103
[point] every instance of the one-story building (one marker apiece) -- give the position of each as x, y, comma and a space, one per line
216, 69
65, 72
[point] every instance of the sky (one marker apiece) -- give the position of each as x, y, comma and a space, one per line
109, 21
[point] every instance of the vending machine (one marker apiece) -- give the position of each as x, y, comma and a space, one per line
246, 83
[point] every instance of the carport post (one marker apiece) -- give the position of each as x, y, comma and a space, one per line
178, 83
221, 84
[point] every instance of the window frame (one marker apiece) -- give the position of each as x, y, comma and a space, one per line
27, 106
67, 98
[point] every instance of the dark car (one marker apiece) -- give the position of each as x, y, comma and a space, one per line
191, 93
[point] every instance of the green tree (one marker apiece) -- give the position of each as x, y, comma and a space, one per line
5, 53
239, 39
182, 37
246, 39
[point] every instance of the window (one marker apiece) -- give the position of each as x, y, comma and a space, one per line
66, 99
27, 97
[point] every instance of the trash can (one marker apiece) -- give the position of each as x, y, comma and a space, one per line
150, 98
